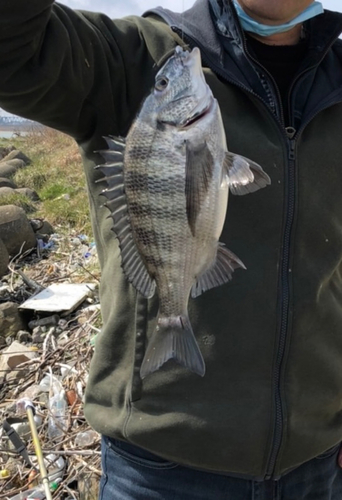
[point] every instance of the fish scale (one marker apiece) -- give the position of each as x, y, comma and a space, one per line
167, 191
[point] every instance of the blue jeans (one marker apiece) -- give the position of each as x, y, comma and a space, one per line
130, 473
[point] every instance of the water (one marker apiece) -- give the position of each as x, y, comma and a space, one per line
8, 134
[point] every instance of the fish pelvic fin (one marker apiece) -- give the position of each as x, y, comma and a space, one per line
219, 273
174, 339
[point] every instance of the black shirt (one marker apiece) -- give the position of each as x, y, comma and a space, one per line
281, 61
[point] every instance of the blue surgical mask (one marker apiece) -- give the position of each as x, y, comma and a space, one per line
250, 24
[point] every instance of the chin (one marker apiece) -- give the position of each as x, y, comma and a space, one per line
274, 11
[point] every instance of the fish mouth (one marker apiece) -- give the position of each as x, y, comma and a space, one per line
197, 115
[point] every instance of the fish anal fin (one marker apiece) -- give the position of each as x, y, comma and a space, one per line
219, 273
173, 339
199, 172
245, 176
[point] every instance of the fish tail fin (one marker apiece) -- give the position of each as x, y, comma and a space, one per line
173, 339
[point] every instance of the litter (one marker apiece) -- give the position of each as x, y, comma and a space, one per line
64, 355
60, 297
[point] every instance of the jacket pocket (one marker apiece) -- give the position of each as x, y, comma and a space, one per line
137, 455
140, 343
145, 314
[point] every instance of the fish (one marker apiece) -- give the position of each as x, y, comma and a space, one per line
167, 185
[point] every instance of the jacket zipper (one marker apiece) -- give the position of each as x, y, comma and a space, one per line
292, 136
284, 311
290, 133
285, 267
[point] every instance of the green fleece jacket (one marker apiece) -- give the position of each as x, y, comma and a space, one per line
271, 398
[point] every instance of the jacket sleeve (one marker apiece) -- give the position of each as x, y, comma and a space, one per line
63, 68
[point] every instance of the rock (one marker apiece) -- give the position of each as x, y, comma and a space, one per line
30, 193
5, 290
7, 170
5, 191
15, 229
47, 321
36, 224
43, 237
46, 228
11, 322
4, 182
13, 356
3, 342
15, 163
4, 258
16, 154
5, 150
24, 336
38, 335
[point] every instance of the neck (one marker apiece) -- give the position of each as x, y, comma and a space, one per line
291, 37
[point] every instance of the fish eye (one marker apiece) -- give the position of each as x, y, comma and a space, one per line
161, 83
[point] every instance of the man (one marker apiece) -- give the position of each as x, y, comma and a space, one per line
265, 422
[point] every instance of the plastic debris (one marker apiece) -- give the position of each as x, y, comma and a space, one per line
5, 474
57, 421
86, 438
57, 407
36, 493
61, 297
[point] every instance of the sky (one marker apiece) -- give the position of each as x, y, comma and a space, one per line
119, 8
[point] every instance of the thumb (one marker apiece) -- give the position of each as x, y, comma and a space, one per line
339, 458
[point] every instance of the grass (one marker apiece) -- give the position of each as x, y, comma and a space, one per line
56, 174
19, 200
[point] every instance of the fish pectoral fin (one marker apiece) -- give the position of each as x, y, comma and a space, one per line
131, 261
199, 172
245, 176
220, 272
173, 339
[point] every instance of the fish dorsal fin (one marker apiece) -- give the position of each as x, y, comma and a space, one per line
220, 272
199, 172
131, 261
245, 176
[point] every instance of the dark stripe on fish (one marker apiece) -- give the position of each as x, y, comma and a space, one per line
136, 181
149, 237
153, 261
167, 186
160, 213
146, 236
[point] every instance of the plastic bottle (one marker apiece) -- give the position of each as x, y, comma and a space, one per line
33, 493
57, 421
55, 466
85, 438
45, 384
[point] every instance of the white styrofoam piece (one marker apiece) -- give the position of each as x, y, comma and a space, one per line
59, 297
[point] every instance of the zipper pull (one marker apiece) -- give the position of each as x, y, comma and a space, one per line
290, 132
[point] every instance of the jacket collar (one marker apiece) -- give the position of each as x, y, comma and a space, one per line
206, 18
197, 24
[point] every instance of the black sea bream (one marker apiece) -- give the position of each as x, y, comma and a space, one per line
167, 190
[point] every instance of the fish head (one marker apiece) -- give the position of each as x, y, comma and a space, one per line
181, 95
